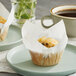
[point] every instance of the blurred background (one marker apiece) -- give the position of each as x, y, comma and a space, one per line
43, 6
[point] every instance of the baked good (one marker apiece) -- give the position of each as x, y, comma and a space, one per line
35, 38
48, 42
41, 60
51, 58
2, 20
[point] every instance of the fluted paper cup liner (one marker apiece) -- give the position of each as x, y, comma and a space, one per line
40, 54
4, 27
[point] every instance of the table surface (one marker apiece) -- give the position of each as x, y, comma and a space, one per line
43, 8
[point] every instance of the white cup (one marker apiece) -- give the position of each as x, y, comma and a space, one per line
70, 22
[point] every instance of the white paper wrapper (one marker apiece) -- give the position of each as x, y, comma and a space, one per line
31, 32
9, 20
3, 12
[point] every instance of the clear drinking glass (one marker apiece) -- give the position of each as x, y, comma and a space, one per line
24, 10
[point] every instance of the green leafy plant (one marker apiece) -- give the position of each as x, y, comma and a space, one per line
25, 9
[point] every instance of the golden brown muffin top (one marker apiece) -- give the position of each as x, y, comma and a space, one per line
2, 20
48, 42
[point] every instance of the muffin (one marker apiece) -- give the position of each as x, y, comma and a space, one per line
46, 46
51, 59
48, 42
4, 33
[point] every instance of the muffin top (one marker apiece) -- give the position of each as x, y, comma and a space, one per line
2, 20
48, 42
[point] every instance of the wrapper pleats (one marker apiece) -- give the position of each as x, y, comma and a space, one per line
41, 60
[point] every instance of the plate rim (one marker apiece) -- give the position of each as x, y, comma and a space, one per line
16, 68
11, 43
